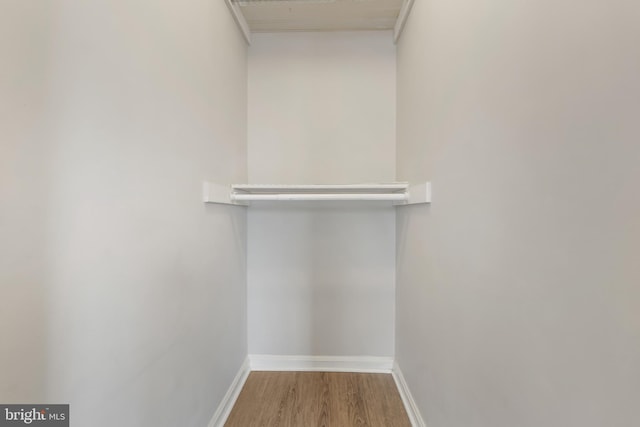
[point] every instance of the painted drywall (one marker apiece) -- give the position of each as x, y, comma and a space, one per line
322, 108
518, 294
143, 321
321, 277
23, 163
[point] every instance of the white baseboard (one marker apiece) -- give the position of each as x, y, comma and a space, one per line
371, 364
229, 399
410, 405
366, 364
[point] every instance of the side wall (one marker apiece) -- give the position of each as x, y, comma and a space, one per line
143, 319
321, 279
23, 184
518, 288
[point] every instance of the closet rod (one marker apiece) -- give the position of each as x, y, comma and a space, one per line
394, 197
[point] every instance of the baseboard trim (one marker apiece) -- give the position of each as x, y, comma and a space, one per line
409, 404
370, 364
365, 364
229, 399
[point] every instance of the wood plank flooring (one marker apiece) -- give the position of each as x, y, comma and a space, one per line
318, 399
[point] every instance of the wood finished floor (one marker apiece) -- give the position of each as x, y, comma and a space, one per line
318, 399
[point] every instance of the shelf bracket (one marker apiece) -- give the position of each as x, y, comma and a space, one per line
218, 193
417, 194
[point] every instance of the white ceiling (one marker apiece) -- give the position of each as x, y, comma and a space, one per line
319, 15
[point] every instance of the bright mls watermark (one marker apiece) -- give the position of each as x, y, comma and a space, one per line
34, 415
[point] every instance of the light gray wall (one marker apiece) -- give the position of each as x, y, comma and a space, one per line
322, 107
321, 279
135, 289
23, 183
519, 287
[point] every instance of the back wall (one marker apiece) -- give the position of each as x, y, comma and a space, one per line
321, 279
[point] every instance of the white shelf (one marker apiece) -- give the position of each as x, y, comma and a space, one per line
398, 193
321, 188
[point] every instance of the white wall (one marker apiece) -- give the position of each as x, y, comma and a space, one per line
23, 162
144, 285
518, 296
321, 110
321, 107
